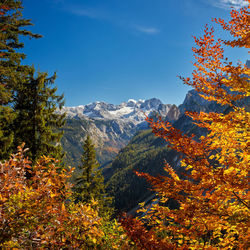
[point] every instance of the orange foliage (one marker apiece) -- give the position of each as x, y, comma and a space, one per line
112, 149
214, 197
143, 238
3, 9
38, 213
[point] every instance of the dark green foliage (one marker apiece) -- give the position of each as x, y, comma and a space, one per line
27, 101
144, 153
6, 134
36, 121
11, 29
89, 184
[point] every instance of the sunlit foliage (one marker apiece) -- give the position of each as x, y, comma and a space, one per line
213, 197
39, 213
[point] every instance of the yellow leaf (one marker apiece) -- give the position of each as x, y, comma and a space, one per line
63, 207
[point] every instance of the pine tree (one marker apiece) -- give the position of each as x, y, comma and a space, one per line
11, 29
37, 123
90, 183
27, 101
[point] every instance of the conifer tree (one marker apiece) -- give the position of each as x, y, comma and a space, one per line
27, 102
11, 29
90, 183
37, 123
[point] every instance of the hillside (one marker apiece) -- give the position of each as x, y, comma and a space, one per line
146, 153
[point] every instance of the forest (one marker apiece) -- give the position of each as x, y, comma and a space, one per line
202, 204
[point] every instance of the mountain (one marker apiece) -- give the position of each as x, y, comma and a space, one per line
110, 126
131, 111
194, 102
147, 153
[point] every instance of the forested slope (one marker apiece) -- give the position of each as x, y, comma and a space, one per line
146, 153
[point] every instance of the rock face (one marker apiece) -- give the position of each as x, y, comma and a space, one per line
194, 102
110, 126
248, 64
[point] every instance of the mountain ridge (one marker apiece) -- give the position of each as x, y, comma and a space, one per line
110, 126
131, 110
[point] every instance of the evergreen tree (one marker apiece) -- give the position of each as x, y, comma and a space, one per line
27, 100
37, 122
11, 29
90, 183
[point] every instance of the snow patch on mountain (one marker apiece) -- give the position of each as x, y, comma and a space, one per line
121, 112
130, 111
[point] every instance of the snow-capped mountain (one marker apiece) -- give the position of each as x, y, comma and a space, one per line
110, 126
130, 111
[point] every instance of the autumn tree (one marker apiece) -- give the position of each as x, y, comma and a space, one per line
39, 213
11, 29
213, 197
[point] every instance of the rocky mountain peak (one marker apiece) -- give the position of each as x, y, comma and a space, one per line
248, 64
112, 126
152, 103
131, 111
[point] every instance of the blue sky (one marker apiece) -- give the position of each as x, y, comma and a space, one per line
114, 50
